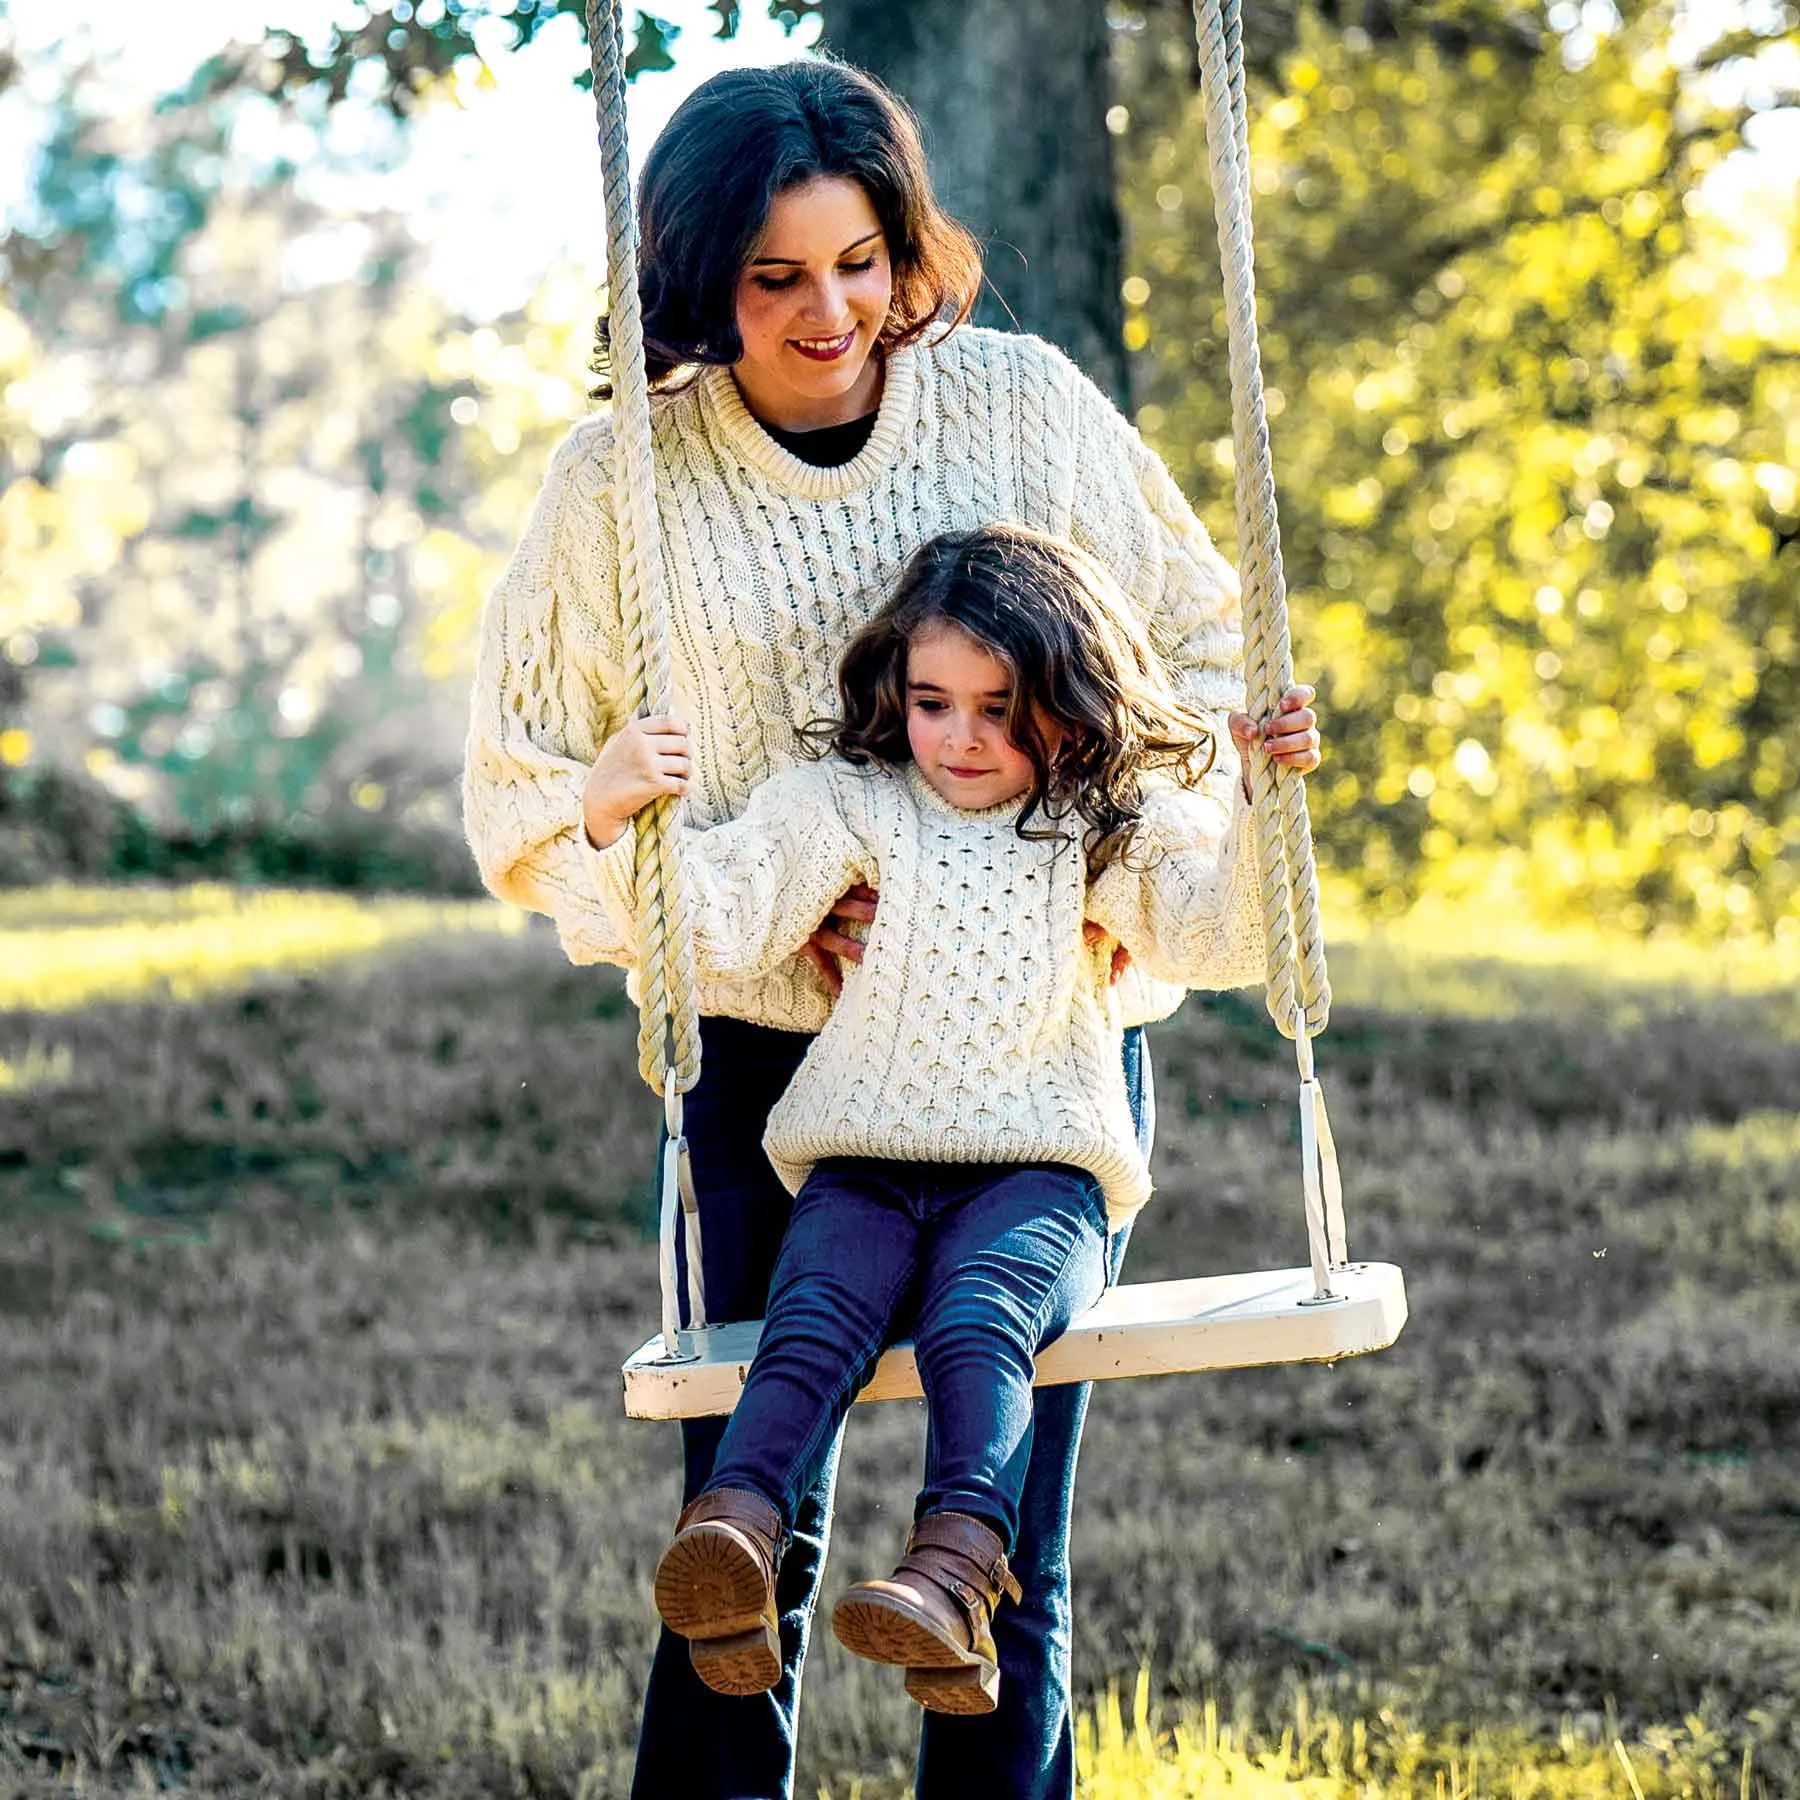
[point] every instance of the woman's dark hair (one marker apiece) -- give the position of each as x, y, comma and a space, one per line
735, 143
1079, 661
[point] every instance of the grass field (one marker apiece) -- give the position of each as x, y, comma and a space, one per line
325, 1233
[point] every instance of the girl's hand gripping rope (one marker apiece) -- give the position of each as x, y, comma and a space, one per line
1290, 736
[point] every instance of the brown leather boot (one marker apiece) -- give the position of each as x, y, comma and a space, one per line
715, 1586
934, 1615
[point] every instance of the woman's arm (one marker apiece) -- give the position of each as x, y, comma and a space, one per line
1129, 512
758, 886
548, 692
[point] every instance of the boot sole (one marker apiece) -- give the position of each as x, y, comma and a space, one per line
749, 1663
939, 1675
710, 1590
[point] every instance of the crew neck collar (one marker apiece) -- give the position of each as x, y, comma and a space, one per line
931, 801
740, 427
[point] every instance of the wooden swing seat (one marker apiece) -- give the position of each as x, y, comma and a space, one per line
1148, 1328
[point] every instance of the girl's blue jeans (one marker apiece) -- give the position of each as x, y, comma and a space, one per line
694, 1744
984, 1264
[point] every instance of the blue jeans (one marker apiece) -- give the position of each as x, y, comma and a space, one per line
984, 1264
694, 1744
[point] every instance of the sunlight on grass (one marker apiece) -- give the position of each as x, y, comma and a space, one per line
1320, 1757
1479, 961
1132, 1759
36, 1069
66, 947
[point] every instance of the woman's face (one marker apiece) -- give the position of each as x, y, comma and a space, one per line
811, 301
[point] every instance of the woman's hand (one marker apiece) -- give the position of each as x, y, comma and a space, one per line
1092, 934
1289, 737
646, 760
828, 943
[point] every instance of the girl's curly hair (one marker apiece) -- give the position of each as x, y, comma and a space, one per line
1091, 704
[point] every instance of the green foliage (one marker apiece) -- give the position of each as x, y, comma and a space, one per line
401, 53
113, 214
207, 599
652, 47
1536, 405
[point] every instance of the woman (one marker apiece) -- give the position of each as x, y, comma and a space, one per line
822, 411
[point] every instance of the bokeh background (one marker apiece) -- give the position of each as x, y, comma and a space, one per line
326, 1183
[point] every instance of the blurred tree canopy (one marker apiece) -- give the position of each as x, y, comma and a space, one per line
221, 441
1535, 391
1537, 419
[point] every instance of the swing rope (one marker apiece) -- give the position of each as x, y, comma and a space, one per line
1298, 991
668, 1011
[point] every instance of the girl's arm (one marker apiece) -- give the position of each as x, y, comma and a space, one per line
758, 886
547, 694
1186, 898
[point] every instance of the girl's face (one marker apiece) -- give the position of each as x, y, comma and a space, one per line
957, 692
811, 301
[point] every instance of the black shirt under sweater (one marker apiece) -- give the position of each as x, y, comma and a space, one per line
830, 446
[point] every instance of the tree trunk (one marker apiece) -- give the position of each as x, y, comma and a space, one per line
1013, 96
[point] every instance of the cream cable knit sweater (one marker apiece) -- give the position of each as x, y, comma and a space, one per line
979, 1026
771, 565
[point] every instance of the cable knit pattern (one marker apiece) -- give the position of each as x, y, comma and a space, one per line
771, 564
979, 1026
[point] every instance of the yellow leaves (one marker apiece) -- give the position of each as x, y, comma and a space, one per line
1353, 506
57, 533
1339, 638
1713, 741
15, 747
1554, 260
1707, 425
453, 575
1641, 214
1597, 722
1473, 764
1385, 389
18, 348
1538, 495
1780, 485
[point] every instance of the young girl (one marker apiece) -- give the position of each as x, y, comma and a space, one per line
958, 1135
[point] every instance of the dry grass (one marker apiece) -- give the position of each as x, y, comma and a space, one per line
313, 1483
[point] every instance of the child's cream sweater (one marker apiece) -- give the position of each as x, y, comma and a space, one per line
979, 1026
771, 565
